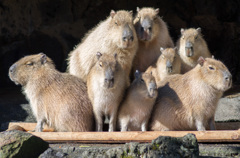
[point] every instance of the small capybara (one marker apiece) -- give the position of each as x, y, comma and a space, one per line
106, 84
58, 99
152, 33
115, 34
168, 63
188, 101
191, 46
136, 108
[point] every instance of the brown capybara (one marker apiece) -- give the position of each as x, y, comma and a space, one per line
168, 63
115, 34
136, 108
106, 84
191, 46
58, 99
152, 33
188, 101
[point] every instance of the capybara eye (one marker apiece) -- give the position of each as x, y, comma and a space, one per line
116, 23
100, 64
211, 67
196, 37
142, 80
29, 63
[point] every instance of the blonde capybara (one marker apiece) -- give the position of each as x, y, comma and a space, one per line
116, 34
57, 99
152, 33
191, 45
168, 63
188, 101
136, 108
106, 84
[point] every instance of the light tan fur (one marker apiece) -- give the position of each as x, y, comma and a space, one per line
106, 85
135, 110
58, 99
106, 37
200, 48
189, 101
151, 40
168, 63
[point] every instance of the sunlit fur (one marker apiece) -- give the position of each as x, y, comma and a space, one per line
58, 99
135, 110
148, 50
189, 101
106, 37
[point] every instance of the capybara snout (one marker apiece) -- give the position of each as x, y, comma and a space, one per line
189, 49
109, 78
152, 89
146, 29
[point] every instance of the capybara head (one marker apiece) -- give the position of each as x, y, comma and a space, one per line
169, 61
146, 84
107, 66
123, 29
28, 67
146, 22
215, 73
191, 39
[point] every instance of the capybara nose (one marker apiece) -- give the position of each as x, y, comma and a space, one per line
169, 64
227, 76
146, 24
12, 68
189, 45
127, 33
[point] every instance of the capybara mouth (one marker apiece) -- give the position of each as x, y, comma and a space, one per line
109, 84
145, 37
189, 51
169, 70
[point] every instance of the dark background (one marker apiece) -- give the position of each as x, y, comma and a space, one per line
56, 26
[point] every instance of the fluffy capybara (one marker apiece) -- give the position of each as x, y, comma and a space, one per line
191, 46
188, 101
136, 108
58, 99
106, 84
152, 33
116, 34
168, 63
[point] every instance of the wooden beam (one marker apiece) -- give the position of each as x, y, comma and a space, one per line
123, 137
27, 126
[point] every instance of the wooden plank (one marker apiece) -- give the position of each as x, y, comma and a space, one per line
31, 126
123, 137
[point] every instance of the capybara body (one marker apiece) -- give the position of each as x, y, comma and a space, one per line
191, 46
58, 99
152, 34
188, 101
106, 85
114, 35
168, 63
136, 108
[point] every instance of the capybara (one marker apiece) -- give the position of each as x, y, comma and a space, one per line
106, 84
191, 46
152, 33
136, 108
168, 63
115, 34
58, 99
188, 101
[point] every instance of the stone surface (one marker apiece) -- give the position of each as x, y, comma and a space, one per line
167, 147
21, 144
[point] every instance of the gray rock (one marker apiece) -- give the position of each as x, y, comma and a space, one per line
21, 144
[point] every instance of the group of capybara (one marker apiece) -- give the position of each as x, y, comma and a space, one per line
127, 70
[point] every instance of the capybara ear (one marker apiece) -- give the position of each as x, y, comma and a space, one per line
161, 49
43, 58
157, 11
115, 56
213, 57
138, 9
175, 48
131, 12
201, 60
182, 30
199, 30
112, 13
137, 74
98, 55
